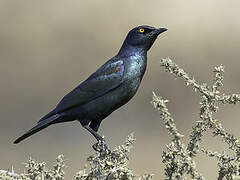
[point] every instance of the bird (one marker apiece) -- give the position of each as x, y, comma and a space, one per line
107, 89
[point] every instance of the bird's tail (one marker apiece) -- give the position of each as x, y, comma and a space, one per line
40, 125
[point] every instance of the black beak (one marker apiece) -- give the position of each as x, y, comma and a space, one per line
160, 30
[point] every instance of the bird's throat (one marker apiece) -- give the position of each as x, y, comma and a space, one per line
130, 50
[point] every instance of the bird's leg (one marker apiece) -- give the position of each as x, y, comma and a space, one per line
94, 133
99, 138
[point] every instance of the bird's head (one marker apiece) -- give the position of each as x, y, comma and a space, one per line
143, 36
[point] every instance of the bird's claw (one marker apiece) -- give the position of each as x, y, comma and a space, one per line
101, 146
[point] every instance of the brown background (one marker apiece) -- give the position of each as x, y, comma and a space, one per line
48, 47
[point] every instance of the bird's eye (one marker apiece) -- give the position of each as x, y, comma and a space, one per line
141, 30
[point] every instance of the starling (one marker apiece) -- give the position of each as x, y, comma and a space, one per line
107, 89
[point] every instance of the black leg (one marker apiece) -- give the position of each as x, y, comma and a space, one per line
94, 133
101, 145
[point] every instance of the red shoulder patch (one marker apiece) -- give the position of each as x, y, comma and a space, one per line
113, 70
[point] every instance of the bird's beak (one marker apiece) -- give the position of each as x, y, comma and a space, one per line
160, 30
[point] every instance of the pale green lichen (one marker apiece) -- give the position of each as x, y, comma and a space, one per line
177, 157
110, 164
177, 160
37, 171
105, 164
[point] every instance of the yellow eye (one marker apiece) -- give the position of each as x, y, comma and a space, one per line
141, 30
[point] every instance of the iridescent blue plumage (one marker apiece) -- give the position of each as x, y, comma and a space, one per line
107, 89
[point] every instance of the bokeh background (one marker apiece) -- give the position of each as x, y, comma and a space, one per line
48, 47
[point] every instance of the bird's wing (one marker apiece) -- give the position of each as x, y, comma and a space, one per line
106, 78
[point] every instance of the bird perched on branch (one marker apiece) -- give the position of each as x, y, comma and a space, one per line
107, 89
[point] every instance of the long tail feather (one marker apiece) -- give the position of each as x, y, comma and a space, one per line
40, 125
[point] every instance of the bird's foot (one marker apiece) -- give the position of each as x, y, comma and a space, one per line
101, 146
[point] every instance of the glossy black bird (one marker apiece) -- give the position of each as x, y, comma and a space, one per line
110, 87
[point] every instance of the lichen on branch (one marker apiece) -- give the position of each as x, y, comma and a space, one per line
104, 164
211, 99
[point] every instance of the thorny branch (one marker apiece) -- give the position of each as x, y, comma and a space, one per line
104, 164
211, 98
177, 159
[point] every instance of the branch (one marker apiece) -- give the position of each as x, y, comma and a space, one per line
177, 159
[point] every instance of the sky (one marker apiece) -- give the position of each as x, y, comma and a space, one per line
48, 47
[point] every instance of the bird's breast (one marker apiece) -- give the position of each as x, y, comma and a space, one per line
136, 67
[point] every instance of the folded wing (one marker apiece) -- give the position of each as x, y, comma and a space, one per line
106, 78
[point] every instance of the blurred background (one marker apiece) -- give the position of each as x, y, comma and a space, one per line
48, 47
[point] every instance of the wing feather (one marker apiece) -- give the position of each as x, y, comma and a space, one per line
106, 78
